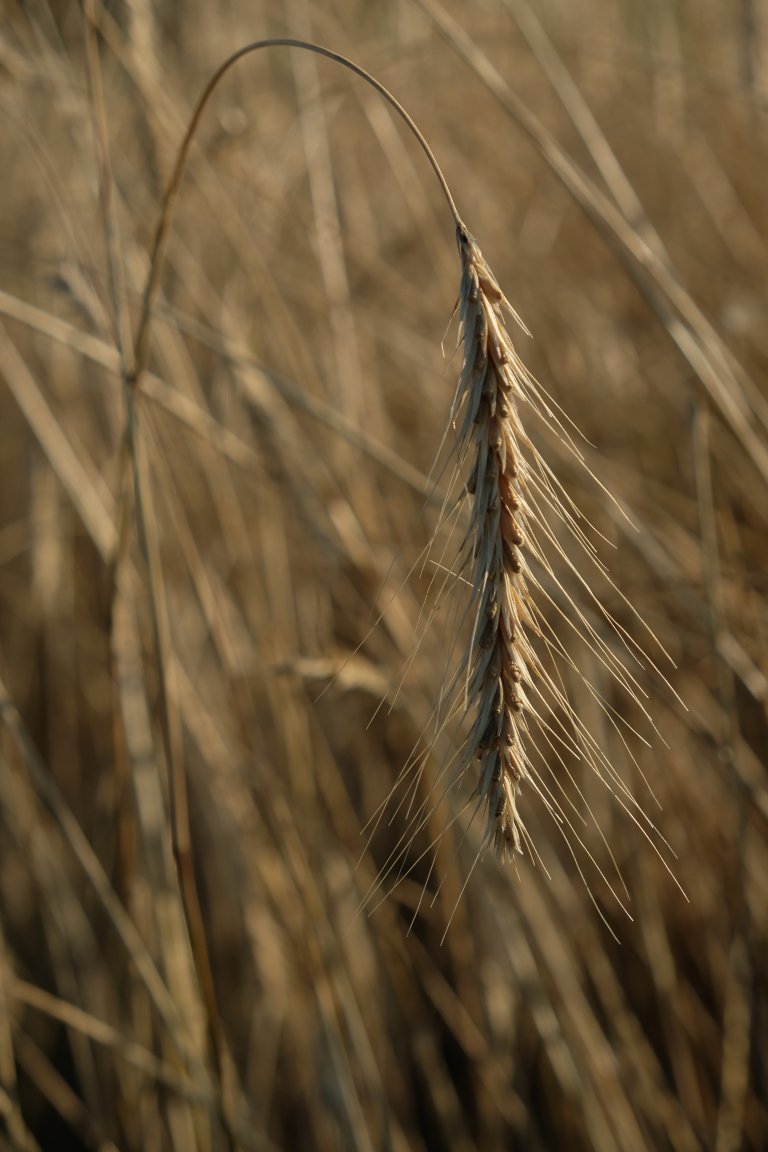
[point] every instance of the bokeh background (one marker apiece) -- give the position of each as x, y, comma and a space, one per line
286, 986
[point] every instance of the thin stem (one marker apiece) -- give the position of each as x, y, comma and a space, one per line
134, 454
169, 200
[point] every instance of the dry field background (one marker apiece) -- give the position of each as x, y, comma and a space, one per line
296, 398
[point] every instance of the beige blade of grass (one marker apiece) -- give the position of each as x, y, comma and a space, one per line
80, 480
725, 382
328, 236
256, 384
135, 467
110, 1037
10, 1111
583, 119
134, 1054
58, 1093
197, 419
737, 1009
185, 410
50, 795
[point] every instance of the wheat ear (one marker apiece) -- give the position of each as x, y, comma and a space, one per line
517, 508
499, 658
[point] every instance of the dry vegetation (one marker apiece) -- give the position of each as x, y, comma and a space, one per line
273, 640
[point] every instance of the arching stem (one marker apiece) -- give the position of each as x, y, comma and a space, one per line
141, 344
